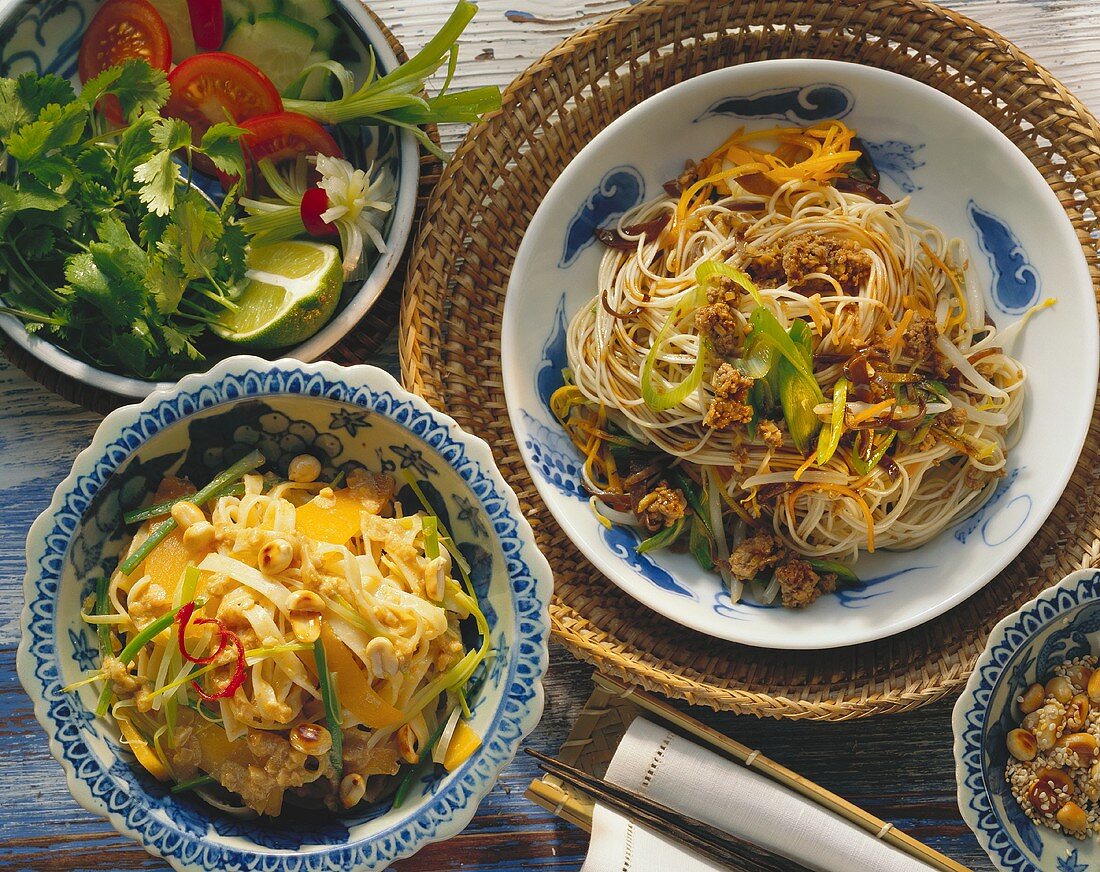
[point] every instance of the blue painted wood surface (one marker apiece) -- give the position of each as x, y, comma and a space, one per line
899, 768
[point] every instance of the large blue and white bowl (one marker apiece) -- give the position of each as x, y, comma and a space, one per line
347, 416
1061, 623
963, 175
43, 36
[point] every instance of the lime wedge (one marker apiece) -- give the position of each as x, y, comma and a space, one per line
292, 291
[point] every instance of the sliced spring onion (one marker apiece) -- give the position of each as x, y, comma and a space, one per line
829, 437
410, 776
439, 752
796, 396
332, 709
252, 460
131, 650
103, 607
790, 345
431, 537
864, 467
705, 271
844, 575
660, 400
699, 544
759, 357
159, 510
201, 781
663, 538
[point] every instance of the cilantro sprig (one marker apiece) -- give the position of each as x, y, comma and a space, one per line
106, 246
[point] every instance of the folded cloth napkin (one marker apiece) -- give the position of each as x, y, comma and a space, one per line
684, 776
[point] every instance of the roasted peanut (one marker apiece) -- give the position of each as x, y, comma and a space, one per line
1049, 726
199, 537
1079, 674
1021, 744
185, 514
381, 657
1044, 792
1032, 698
407, 744
1077, 712
1094, 686
312, 739
305, 607
275, 556
1060, 689
352, 789
1072, 818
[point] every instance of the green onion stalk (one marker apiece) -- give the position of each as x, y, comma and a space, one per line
397, 98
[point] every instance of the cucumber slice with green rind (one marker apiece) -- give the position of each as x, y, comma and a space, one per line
278, 45
309, 11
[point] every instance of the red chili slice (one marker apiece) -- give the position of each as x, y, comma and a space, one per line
238, 675
184, 618
314, 204
207, 23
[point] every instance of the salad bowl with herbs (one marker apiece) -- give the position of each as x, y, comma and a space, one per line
186, 179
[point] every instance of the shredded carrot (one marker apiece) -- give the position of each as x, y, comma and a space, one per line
873, 412
806, 465
953, 320
899, 331
843, 490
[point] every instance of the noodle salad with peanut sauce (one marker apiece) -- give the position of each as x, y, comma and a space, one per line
267, 641
782, 368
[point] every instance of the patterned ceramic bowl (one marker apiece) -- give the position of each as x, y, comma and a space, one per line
1061, 623
43, 36
1022, 250
348, 416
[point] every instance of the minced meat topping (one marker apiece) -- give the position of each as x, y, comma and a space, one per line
771, 434
729, 408
799, 585
661, 507
840, 259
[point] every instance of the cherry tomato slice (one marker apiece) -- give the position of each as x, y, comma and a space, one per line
119, 31
215, 86
279, 137
314, 203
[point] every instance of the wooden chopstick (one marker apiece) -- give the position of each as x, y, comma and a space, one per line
756, 761
707, 840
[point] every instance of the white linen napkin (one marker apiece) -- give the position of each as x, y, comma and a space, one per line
691, 779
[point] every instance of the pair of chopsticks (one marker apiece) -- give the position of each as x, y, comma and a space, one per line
704, 839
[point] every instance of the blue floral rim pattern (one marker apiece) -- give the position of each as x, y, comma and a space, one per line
122, 432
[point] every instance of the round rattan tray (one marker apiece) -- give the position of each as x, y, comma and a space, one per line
361, 342
451, 317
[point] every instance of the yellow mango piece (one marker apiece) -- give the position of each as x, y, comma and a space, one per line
167, 562
335, 524
353, 687
146, 756
463, 743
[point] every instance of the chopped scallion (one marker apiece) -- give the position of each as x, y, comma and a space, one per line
332, 708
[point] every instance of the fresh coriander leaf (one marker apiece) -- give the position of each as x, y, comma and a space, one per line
158, 178
140, 88
171, 133
130, 256
130, 353
198, 229
178, 339
134, 147
151, 228
30, 196
166, 283
221, 143
84, 277
124, 302
22, 99
40, 244
233, 248
56, 127
99, 85
56, 171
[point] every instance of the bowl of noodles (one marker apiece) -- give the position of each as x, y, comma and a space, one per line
284, 616
816, 352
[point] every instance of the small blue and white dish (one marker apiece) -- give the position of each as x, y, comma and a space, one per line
43, 36
1061, 623
963, 175
348, 416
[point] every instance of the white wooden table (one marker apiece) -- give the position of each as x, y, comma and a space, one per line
899, 768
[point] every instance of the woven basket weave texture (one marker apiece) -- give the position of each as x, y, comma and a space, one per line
451, 316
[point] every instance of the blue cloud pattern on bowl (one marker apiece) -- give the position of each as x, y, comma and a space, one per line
1016, 281
801, 105
348, 417
619, 191
1062, 622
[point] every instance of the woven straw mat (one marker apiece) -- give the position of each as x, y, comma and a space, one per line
358, 345
451, 317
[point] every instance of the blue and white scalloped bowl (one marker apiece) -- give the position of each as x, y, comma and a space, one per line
962, 174
43, 36
1061, 623
348, 417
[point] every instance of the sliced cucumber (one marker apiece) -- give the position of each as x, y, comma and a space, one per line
278, 45
178, 21
327, 31
249, 10
309, 11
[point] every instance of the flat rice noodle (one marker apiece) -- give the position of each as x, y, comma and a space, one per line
247, 576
